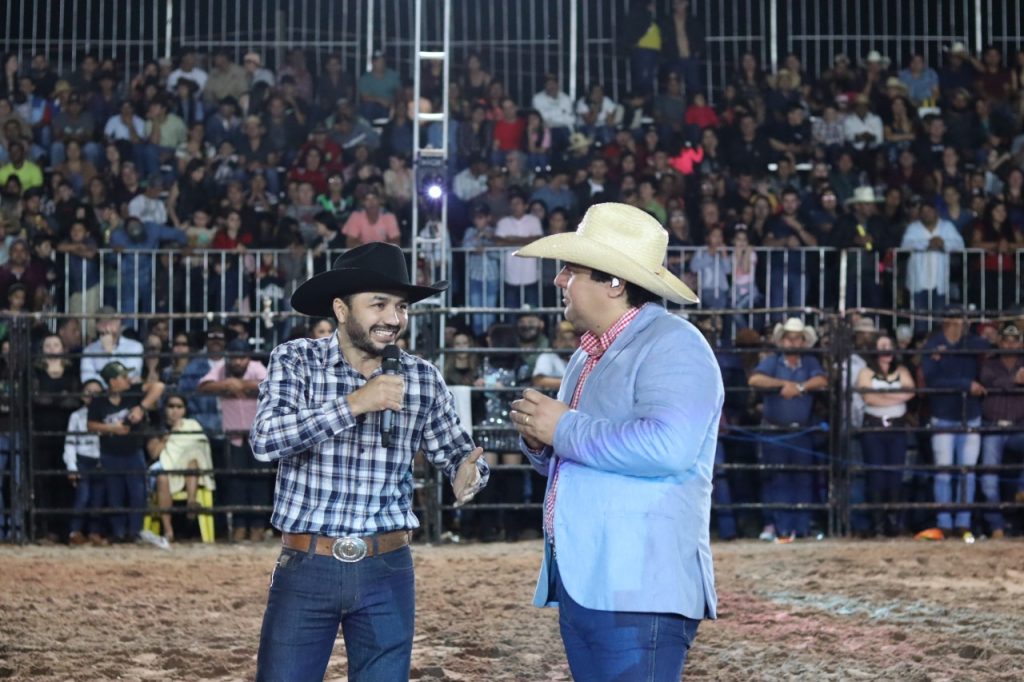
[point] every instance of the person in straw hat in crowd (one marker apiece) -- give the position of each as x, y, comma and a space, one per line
876, 68
788, 379
344, 482
865, 236
628, 448
959, 71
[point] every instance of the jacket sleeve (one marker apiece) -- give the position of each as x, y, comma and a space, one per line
677, 401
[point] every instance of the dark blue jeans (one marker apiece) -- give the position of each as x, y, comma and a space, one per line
789, 487
127, 488
622, 645
373, 600
90, 493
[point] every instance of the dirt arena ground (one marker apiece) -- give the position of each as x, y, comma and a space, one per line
816, 611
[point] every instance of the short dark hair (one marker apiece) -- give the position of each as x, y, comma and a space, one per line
636, 295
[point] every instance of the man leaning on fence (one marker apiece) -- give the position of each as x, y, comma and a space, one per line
789, 377
950, 366
1001, 409
236, 381
344, 485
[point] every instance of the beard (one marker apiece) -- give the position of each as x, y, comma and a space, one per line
361, 339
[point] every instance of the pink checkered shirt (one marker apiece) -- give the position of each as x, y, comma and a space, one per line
594, 347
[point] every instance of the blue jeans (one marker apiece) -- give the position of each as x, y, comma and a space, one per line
789, 487
90, 493
786, 287
622, 645
961, 449
992, 446
483, 293
924, 302
373, 600
125, 489
643, 68
246, 490
516, 296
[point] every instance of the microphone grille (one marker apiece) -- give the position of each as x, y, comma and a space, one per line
392, 352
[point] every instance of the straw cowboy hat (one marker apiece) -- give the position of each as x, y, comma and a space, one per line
620, 240
377, 266
795, 324
863, 195
876, 57
865, 325
958, 48
894, 82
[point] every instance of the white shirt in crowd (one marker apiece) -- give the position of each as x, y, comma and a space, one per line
116, 129
556, 111
127, 351
605, 117
854, 125
520, 271
148, 210
550, 364
929, 269
197, 76
467, 186
78, 443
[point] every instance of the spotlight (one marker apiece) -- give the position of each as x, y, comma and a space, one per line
434, 191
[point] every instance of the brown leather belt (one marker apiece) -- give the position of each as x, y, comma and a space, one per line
348, 549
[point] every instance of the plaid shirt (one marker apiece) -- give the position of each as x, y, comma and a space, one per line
334, 477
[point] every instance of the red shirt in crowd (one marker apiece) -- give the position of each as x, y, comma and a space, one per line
509, 134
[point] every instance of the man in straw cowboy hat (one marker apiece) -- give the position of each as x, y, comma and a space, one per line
788, 378
344, 494
863, 233
628, 448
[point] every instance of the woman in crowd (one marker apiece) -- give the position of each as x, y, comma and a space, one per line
55, 391
183, 445
887, 387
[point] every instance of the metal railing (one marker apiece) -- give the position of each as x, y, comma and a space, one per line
518, 41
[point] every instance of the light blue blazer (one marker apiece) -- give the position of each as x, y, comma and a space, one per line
634, 491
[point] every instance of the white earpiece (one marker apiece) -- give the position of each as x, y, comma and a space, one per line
615, 282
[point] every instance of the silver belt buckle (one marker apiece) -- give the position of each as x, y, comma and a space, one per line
349, 550
1004, 423
885, 421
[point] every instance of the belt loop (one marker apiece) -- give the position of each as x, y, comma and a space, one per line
314, 539
376, 545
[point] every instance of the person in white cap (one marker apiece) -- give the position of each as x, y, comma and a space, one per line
628, 448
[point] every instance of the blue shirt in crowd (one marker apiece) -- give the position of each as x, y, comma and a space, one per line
779, 410
953, 371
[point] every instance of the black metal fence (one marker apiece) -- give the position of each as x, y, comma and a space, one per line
36, 500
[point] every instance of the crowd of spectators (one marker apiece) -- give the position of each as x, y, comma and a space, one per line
240, 173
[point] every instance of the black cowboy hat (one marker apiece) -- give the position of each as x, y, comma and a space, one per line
377, 266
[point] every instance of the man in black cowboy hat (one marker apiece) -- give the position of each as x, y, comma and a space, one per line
343, 501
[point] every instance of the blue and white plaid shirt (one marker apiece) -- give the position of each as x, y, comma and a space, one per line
334, 477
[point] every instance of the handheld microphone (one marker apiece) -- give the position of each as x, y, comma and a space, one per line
391, 363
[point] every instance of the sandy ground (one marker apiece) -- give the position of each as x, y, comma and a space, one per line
816, 611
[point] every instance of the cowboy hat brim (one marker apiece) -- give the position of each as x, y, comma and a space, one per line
573, 248
315, 296
810, 335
